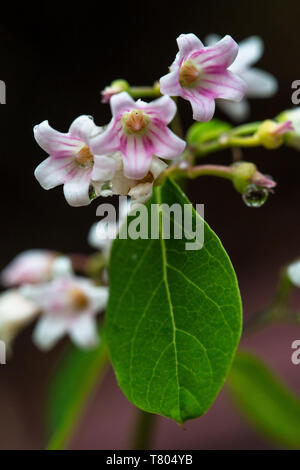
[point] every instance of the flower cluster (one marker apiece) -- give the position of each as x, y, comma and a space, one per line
92, 161
125, 157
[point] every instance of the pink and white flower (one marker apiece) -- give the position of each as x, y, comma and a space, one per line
29, 267
69, 305
200, 75
71, 161
139, 131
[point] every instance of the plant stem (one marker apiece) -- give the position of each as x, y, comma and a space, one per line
145, 92
241, 136
192, 172
143, 431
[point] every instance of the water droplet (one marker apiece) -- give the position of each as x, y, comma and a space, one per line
255, 196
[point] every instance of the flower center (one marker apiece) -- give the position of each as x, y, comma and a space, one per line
78, 299
135, 121
189, 73
84, 157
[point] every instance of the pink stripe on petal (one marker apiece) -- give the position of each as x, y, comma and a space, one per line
169, 84
83, 128
187, 43
136, 158
76, 189
120, 103
51, 172
108, 141
165, 143
54, 142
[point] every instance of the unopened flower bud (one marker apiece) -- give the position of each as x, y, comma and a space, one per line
271, 133
246, 174
292, 138
242, 172
115, 87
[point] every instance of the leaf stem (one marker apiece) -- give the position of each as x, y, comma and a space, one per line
145, 91
143, 432
192, 172
74, 410
241, 136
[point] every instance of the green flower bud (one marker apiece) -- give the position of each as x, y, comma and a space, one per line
242, 175
292, 138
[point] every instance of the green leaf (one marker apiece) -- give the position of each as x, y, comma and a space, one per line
173, 319
75, 379
205, 131
268, 403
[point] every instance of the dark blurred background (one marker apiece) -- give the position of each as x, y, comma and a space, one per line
55, 61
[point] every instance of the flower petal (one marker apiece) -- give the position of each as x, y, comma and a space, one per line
224, 85
250, 51
222, 54
121, 102
52, 172
31, 266
55, 143
98, 297
104, 168
83, 128
137, 153
62, 268
260, 84
49, 330
108, 141
238, 111
76, 188
203, 106
187, 43
163, 108
169, 84
166, 144
84, 332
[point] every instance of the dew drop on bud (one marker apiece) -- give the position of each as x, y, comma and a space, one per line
255, 196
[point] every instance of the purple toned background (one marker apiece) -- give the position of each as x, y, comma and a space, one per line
54, 64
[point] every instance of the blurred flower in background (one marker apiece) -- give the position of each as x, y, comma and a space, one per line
260, 84
31, 266
69, 305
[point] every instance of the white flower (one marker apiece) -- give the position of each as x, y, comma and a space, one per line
140, 191
260, 84
69, 305
71, 161
29, 267
15, 313
293, 272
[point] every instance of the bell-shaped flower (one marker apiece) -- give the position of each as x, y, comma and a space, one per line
139, 131
16, 312
71, 161
69, 305
200, 75
260, 84
29, 267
